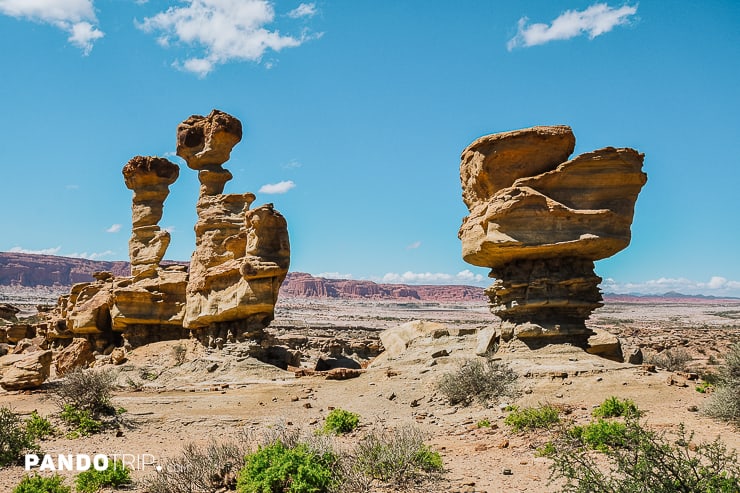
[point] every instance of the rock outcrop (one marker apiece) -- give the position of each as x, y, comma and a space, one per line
241, 256
25, 370
240, 260
539, 221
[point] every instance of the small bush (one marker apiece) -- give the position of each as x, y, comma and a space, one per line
41, 484
92, 480
81, 421
613, 407
396, 456
674, 359
703, 387
15, 441
476, 380
724, 402
601, 434
178, 353
483, 423
38, 427
277, 469
340, 421
530, 418
643, 461
86, 390
201, 468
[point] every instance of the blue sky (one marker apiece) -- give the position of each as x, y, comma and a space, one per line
355, 114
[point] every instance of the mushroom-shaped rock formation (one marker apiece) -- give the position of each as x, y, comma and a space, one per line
149, 178
539, 221
241, 256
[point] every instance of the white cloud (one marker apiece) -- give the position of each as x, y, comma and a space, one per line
72, 187
303, 10
414, 245
169, 229
594, 21
463, 277
293, 164
280, 187
717, 286
115, 228
43, 251
76, 17
90, 256
225, 30
334, 275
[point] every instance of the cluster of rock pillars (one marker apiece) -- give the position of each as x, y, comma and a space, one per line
537, 219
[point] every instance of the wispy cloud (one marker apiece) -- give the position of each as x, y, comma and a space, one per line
303, 10
334, 275
72, 187
462, 277
716, 285
90, 256
413, 246
594, 21
115, 228
225, 30
56, 250
274, 188
76, 17
293, 164
43, 251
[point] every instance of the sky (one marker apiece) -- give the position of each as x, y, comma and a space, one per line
355, 114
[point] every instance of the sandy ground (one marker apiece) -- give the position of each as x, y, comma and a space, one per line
187, 402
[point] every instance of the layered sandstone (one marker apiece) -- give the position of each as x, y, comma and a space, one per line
539, 221
241, 255
149, 178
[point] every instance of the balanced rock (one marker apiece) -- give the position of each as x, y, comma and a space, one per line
149, 178
539, 221
241, 256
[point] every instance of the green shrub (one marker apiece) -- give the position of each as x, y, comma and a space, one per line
277, 469
613, 407
530, 418
92, 480
396, 456
476, 380
724, 402
41, 484
15, 441
643, 461
81, 421
340, 421
483, 423
39, 427
86, 390
601, 434
703, 387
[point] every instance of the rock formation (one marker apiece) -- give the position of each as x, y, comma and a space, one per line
240, 260
149, 178
241, 256
539, 221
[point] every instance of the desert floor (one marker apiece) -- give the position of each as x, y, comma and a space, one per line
197, 401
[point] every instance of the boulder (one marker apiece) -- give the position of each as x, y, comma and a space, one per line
398, 339
605, 344
78, 354
24, 371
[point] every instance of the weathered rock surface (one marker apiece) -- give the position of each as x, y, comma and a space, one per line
241, 256
149, 178
24, 371
78, 354
539, 221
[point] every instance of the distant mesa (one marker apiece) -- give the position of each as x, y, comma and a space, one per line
539, 220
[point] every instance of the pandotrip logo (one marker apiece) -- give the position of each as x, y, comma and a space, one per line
85, 462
